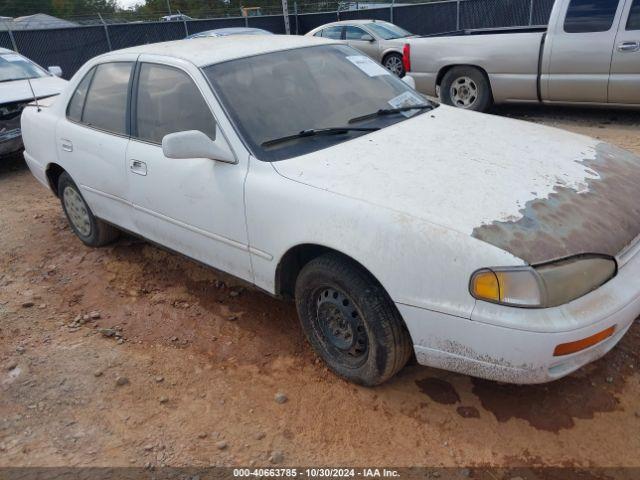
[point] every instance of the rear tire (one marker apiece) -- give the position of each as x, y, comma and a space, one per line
467, 88
91, 230
393, 63
350, 321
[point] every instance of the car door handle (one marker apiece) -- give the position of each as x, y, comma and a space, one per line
138, 167
66, 145
629, 46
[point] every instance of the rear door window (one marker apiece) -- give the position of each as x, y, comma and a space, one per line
334, 33
354, 33
585, 16
168, 102
106, 103
634, 16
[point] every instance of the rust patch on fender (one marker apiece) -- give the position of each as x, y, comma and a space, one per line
603, 218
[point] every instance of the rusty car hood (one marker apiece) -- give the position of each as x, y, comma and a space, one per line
536, 192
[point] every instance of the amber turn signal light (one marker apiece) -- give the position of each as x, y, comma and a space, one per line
573, 347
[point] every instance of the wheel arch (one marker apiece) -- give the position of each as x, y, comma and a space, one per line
390, 51
53, 172
443, 71
294, 260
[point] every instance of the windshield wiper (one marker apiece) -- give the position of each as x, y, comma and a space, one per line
391, 111
317, 131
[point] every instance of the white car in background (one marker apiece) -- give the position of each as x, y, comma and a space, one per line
225, 32
485, 245
15, 92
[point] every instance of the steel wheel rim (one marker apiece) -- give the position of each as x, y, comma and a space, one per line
394, 65
77, 211
463, 92
343, 330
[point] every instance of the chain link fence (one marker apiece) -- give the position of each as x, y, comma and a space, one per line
71, 47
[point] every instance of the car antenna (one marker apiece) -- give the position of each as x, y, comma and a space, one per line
35, 99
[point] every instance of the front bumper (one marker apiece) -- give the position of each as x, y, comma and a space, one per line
516, 345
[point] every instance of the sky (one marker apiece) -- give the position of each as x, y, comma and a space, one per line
128, 3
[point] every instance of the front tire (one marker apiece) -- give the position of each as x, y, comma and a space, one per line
350, 321
393, 63
467, 88
91, 230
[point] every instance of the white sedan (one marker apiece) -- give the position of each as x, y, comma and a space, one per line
20, 81
484, 245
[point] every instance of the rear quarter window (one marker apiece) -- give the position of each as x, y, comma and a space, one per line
76, 105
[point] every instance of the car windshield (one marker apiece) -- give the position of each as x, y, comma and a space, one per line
281, 94
388, 31
16, 67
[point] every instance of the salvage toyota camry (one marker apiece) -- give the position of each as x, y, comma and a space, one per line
484, 245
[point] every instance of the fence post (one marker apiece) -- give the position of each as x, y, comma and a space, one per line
457, 15
13, 40
184, 22
246, 20
285, 16
391, 11
338, 11
106, 31
295, 13
530, 12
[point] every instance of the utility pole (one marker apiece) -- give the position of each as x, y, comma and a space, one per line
285, 14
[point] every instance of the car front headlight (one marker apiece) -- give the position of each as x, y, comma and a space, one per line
544, 285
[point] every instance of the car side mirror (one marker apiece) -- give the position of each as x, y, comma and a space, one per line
195, 144
366, 37
55, 70
409, 80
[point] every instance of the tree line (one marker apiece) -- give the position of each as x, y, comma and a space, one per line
149, 8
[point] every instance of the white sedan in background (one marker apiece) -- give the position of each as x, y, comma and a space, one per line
16, 72
484, 245
225, 32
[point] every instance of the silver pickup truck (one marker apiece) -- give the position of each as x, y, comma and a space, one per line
588, 55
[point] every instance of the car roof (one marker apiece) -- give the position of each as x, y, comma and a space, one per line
232, 30
352, 22
209, 50
6, 50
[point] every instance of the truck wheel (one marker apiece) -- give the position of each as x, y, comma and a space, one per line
466, 87
350, 321
91, 230
393, 63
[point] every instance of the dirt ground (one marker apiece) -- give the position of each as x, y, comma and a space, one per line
183, 365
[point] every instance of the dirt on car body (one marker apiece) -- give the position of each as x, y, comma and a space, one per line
182, 366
